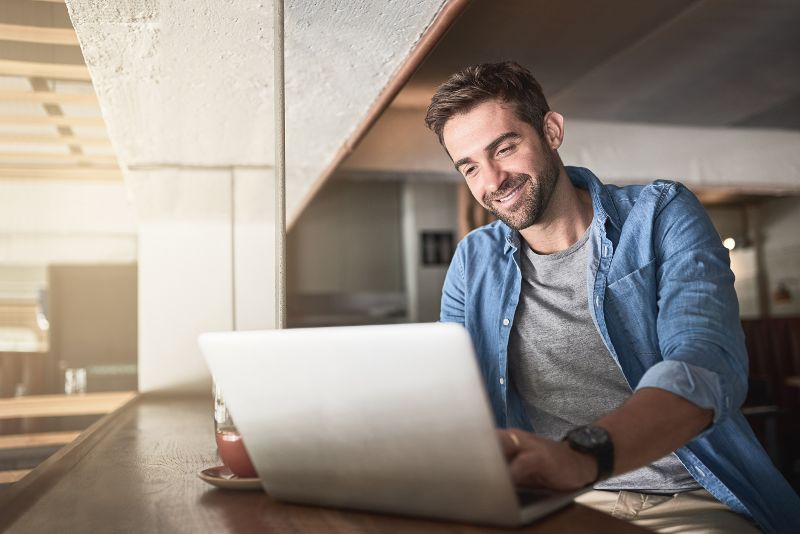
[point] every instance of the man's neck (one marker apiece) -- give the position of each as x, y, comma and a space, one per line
567, 216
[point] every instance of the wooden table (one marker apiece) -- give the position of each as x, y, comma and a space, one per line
63, 405
136, 471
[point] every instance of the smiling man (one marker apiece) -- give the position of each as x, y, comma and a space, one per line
605, 322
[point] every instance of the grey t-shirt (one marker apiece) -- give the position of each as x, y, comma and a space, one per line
562, 369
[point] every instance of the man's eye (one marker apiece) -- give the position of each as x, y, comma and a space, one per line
469, 170
504, 150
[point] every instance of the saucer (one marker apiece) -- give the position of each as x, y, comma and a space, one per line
222, 477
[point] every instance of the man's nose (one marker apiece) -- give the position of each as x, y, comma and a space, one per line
493, 177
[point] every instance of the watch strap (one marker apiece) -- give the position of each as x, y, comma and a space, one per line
600, 447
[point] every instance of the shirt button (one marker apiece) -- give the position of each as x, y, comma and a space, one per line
502, 381
505, 322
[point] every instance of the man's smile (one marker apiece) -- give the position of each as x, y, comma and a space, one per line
511, 196
508, 196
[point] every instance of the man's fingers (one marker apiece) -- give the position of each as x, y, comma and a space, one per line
536, 462
525, 470
509, 445
509, 442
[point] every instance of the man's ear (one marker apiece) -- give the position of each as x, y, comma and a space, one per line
553, 129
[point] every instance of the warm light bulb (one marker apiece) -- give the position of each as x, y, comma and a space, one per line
729, 243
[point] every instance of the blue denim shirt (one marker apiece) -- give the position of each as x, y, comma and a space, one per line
660, 292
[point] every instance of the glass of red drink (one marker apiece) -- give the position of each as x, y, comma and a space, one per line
230, 446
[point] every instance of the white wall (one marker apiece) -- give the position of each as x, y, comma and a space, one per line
426, 207
54, 221
348, 240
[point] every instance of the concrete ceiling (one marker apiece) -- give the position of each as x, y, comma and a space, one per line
681, 62
703, 91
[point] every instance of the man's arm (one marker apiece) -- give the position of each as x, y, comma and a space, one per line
702, 376
647, 413
651, 424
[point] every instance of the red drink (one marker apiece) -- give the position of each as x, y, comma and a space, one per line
233, 454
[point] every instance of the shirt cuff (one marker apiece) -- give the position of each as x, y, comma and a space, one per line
698, 385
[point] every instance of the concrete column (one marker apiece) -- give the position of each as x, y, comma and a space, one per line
191, 258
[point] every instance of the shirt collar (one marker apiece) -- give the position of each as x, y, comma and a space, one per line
603, 205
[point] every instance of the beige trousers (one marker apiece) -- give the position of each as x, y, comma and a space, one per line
688, 513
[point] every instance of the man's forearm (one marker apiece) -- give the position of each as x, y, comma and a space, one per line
651, 424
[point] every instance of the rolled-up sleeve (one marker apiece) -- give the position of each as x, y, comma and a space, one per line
699, 330
698, 385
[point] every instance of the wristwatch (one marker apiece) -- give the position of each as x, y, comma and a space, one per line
596, 441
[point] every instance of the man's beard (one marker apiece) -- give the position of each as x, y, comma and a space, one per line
528, 208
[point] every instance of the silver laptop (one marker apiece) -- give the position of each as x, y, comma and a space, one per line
389, 418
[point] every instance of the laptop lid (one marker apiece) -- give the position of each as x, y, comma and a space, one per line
389, 418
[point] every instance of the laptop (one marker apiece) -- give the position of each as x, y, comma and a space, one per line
389, 418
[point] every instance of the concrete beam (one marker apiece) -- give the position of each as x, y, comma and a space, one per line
736, 159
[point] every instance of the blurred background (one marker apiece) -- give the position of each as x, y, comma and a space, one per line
133, 179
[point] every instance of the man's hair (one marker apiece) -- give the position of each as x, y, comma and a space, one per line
507, 81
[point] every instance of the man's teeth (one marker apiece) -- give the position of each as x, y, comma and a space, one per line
509, 195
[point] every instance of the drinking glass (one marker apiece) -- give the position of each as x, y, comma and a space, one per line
230, 446
74, 381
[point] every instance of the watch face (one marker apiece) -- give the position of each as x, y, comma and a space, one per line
589, 436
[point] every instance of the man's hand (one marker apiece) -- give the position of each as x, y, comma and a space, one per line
639, 438
537, 462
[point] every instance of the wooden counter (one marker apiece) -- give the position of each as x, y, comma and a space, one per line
136, 471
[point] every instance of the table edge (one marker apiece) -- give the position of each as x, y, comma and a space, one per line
15, 500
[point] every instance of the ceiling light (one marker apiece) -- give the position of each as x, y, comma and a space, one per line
729, 243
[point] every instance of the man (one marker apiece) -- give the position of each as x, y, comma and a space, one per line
605, 321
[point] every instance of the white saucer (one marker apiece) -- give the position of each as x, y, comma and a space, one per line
222, 477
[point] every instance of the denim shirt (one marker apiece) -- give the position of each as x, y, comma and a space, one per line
660, 292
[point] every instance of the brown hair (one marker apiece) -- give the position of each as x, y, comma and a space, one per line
507, 81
